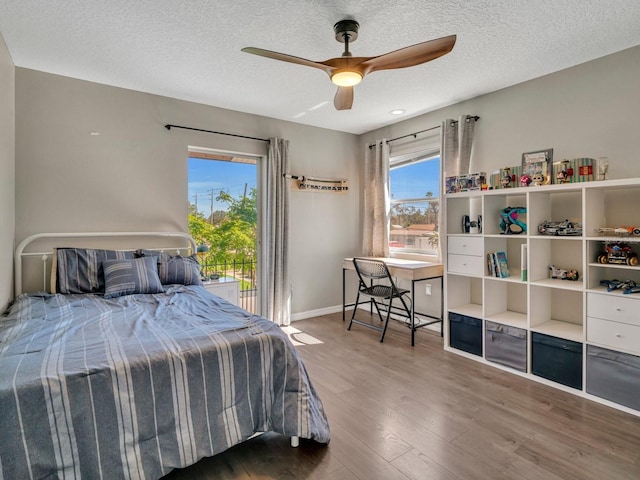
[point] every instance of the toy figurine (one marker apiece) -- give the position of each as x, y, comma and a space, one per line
525, 180
505, 180
538, 179
563, 174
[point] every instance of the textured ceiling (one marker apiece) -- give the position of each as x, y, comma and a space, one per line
191, 49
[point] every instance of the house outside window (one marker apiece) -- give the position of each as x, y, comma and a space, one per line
415, 203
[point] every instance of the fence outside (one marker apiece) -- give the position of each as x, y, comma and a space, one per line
242, 270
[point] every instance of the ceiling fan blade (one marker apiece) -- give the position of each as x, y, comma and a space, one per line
344, 98
410, 56
288, 58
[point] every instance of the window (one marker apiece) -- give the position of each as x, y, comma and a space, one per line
223, 218
414, 182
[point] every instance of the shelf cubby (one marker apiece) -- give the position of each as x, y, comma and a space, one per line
557, 312
564, 253
611, 208
468, 203
555, 206
493, 206
464, 295
511, 245
506, 303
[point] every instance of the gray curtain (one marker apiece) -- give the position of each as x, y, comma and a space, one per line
457, 145
277, 225
376, 201
455, 153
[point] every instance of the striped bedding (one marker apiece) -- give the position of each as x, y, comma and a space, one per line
135, 386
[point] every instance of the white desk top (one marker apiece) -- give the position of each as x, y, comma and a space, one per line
400, 267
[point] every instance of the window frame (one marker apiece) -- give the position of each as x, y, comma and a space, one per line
426, 154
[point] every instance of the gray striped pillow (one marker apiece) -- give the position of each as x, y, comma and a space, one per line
125, 277
79, 270
175, 270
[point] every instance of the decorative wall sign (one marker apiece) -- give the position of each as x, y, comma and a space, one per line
320, 184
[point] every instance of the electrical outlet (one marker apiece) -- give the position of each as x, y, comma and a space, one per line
427, 289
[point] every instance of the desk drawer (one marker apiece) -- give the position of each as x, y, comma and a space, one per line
619, 336
465, 246
465, 264
613, 307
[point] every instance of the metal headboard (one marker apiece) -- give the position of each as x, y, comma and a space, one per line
188, 246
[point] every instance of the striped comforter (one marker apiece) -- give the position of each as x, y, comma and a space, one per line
135, 386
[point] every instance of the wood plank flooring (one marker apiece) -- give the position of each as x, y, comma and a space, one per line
421, 413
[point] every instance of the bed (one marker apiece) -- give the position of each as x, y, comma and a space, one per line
106, 384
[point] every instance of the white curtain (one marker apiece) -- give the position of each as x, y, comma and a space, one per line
376, 200
277, 225
457, 145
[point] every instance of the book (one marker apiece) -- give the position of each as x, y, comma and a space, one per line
491, 264
523, 262
503, 267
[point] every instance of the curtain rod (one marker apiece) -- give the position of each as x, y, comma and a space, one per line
169, 126
476, 118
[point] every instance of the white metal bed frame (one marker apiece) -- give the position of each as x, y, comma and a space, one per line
20, 253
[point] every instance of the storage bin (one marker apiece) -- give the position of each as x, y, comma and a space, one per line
614, 376
557, 359
506, 345
465, 333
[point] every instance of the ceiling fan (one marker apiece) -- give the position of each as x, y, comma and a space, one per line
347, 70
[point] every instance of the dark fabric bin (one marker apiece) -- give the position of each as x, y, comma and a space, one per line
614, 376
557, 359
506, 345
465, 333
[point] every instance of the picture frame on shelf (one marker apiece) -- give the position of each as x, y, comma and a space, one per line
538, 166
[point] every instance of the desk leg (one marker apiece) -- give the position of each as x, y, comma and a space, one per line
413, 309
343, 294
442, 306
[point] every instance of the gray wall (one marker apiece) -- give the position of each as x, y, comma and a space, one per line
7, 178
133, 176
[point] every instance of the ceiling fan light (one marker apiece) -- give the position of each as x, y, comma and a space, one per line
346, 78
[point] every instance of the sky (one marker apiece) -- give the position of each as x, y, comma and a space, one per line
216, 175
415, 180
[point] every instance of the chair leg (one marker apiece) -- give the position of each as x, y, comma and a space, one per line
411, 317
377, 309
386, 323
355, 308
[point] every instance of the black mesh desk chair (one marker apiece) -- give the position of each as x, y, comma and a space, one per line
377, 284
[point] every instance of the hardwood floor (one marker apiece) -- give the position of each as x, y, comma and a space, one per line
421, 413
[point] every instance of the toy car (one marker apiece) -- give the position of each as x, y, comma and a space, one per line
627, 286
563, 274
622, 231
618, 253
564, 228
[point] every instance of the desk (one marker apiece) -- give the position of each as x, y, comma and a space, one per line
413, 270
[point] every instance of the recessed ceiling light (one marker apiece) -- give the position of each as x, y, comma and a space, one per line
397, 111
94, 134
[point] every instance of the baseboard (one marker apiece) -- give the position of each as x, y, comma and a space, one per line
316, 313
338, 308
